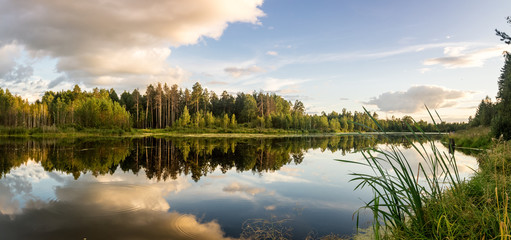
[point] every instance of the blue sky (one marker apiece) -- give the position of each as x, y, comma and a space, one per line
389, 56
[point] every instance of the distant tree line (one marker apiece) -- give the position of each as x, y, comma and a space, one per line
85, 109
172, 107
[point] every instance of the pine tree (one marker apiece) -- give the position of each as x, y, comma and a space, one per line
501, 125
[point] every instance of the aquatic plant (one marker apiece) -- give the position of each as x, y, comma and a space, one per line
400, 199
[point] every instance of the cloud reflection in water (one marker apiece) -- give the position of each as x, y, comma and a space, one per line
101, 210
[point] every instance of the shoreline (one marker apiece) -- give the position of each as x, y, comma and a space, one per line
141, 133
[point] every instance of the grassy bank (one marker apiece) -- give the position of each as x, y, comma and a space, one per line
73, 131
441, 206
239, 132
477, 137
474, 209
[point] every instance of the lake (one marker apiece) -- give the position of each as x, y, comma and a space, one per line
186, 188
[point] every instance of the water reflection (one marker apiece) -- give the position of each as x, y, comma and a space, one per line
179, 188
164, 159
96, 210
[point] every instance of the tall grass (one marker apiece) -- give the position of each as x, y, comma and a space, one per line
473, 138
441, 206
401, 200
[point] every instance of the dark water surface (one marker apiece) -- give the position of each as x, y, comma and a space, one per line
184, 188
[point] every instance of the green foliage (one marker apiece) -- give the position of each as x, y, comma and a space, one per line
400, 200
484, 114
225, 121
171, 108
185, 118
504, 36
501, 125
101, 113
444, 207
476, 137
233, 122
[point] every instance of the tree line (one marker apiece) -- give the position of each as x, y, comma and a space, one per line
171, 107
497, 115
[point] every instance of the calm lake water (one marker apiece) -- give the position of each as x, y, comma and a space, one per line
185, 188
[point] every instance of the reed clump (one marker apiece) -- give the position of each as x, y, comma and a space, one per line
477, 137
432, 201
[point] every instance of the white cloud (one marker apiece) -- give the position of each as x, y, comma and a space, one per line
8, 54
278, 177
106, 216
295, 172
238, 187
118, 197
373, 54
272, 53
8, 205
459, 57
19, 183
103, 204
30, 171
414, 99
239, 72
128, 40
31, 88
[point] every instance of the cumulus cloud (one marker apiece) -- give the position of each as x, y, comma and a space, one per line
8, 205
459, 57
10, 70
19, 183
116, 41
77, 218
63, 220
414, 99
8, 54
95, 210
20, 73
31, 88
239, 72
118, 197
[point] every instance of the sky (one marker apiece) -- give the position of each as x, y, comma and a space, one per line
392, 57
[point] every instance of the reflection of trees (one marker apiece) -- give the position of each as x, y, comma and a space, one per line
167, 158
72, 156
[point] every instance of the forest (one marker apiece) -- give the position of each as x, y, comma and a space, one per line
175, 108
497, 115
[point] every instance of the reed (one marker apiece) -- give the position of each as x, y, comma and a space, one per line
401, 200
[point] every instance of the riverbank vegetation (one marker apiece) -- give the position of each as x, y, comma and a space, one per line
497, 115
432, 202
180, 110
475, 138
